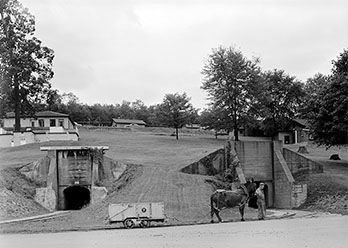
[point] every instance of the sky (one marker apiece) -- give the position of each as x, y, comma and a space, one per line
108, 51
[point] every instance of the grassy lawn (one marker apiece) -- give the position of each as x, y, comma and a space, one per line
321, 153
327, 191
148, 148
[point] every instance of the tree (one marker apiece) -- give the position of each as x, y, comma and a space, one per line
25, 65
140, 111
231, 81
213, 119
279, 100
314, 88
330, 122
175, 111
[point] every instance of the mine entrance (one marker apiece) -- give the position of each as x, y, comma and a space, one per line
76, 197
253, 200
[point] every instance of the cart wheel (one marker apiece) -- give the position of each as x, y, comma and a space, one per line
128, 223
144, 223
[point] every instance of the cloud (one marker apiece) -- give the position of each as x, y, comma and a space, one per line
107, 51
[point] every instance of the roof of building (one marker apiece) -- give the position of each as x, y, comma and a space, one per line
40, 114
128, 121
301, 122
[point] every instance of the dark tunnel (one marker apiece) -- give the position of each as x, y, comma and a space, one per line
253, 199
76, 197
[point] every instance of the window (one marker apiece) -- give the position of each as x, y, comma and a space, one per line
52, 122
41, 122
287, 139
61, 122
32, 123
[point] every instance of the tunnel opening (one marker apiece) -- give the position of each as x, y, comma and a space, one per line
76, 197
253, 199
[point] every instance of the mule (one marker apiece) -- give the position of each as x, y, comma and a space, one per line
222, 199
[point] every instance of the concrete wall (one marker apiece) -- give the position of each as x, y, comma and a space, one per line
255, 158
283, 181
5, 140
209, 165
72, 169
37, 171
48, 196
17, 139
300, 164
256, 161
56, 136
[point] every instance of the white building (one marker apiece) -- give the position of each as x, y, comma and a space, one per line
42, 126
123, 123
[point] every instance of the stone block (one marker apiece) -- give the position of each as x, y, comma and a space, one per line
117, 168
98, 194
46, 197
299, 195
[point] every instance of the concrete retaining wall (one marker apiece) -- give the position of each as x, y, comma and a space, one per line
212, 164
283, 181
17, 139
5, 140
255, 158
300, 164
44, 172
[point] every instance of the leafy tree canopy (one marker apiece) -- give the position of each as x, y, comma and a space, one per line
231, 81
25, 65
176, 111
279, 100
330, 119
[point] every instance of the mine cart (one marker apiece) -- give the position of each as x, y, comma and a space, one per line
140, 214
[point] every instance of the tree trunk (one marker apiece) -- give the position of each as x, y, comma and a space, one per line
17, 127
235, 126
236, 138
176, 133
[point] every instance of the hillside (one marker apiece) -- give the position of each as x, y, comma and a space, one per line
186, 196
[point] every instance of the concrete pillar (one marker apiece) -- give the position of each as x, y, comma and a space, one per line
296, 141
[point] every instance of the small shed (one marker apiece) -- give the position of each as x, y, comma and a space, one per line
124, 123
297, 132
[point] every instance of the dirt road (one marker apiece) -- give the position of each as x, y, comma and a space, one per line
306, 232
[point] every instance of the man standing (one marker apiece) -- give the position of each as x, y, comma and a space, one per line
261, 204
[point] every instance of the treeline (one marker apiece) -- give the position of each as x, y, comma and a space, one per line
244, 96
102, 114
241, 94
